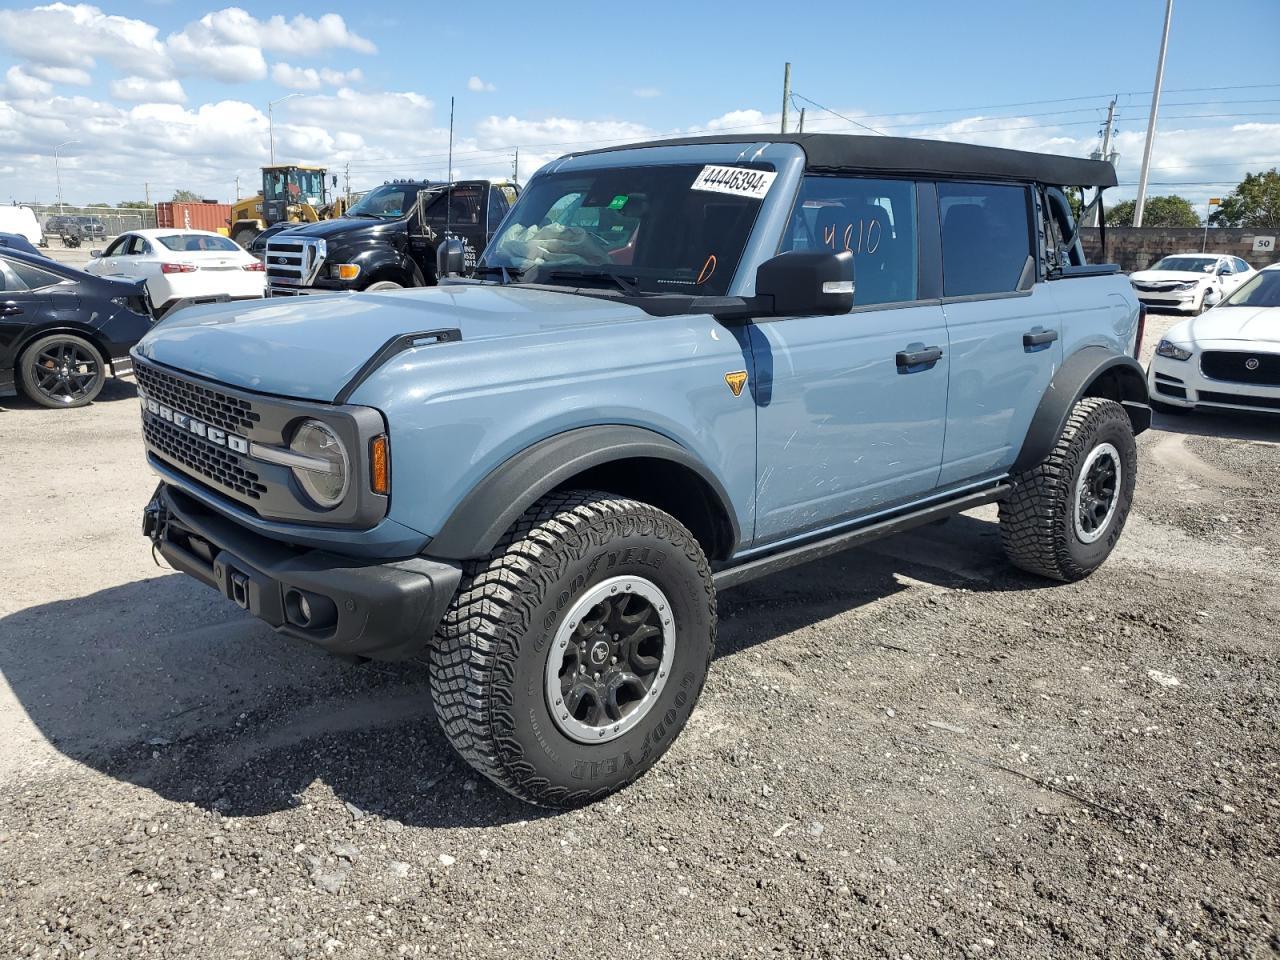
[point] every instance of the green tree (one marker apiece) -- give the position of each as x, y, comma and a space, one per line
1254, 203
185, 196
133, 205
1170, 211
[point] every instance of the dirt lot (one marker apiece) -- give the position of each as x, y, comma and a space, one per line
908, 750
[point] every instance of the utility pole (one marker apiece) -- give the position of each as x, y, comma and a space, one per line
57, 168
1151, 121
801, 127
515, 167
1106, 152
786, 94
271, 130
346, 181
146, 190
237, 188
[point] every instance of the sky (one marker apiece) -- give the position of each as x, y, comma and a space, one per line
160, 96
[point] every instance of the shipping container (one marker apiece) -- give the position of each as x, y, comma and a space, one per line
194, 216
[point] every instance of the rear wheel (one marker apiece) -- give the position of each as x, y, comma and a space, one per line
573, 654
245, 236
62, 370
1064, 516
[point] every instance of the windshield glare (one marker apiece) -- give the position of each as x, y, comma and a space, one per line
387, 202
197, 243
1187, 264
649, 225
1261, 290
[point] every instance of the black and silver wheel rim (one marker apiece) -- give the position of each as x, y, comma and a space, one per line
1097, 492
65, 371
610, 659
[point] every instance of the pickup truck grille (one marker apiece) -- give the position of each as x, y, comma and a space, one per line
1238, 366
293, 262
215, 464
212, 406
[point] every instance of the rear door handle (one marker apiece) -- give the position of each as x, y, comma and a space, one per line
1038, 337
914, 358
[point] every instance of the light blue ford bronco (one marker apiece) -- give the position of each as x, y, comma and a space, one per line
677, 366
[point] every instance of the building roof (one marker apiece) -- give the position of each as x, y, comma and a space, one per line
834, 151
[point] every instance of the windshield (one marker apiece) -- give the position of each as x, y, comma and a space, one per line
1261, 290
1187, 264
677, 229
387, 202
197, 242
294, 186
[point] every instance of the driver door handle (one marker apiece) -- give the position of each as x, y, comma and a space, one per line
913, 358
10, 310
1038, 337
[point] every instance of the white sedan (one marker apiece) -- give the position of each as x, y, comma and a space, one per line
1228, 358
1190, 281
182, 265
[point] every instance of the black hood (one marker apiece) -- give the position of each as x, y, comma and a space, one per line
343, 227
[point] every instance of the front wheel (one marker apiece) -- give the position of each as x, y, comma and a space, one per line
573, 654
62, 370
383, 285
1064, 516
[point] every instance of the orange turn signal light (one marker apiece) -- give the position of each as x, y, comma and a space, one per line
348, 271
380, 465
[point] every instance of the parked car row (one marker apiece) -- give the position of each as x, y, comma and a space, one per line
1190, 281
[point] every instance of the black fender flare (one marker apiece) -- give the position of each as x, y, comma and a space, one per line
386, 263
1117, 376
496, 502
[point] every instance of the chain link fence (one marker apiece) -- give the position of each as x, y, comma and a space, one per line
91, 223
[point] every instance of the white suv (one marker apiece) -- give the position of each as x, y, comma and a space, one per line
1190, 281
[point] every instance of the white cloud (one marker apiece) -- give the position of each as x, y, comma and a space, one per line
309, 78
476, 85
68, 75
235, 30
646, 93
76, 36
142, 90
19, 84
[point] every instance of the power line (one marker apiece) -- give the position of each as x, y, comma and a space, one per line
858, 123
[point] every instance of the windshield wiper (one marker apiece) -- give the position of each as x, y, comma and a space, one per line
626, 284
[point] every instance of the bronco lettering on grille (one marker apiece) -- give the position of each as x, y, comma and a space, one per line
182, 421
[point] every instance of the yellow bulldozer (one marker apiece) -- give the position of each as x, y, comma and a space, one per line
290, 193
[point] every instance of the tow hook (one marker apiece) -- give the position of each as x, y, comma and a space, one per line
239, 584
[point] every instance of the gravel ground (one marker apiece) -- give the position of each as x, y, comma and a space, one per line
907, 750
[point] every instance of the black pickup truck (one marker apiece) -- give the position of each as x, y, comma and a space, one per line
388, 239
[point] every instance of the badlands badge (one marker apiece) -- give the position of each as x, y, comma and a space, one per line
736, 381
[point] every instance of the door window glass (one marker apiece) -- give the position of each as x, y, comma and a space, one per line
33, 277
9, 281
497, 208
986, 237
1241, 266
117, 247
873, 219
459, 207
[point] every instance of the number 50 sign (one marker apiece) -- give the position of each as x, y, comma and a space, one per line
1264, 244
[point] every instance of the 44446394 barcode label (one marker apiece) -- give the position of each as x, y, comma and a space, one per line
738, 181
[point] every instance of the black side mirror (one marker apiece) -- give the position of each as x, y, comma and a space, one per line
804, 284
450, 258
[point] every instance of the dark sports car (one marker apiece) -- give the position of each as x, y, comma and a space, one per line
62, 330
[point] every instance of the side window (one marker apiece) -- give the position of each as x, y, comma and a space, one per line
117, 247
461, 206
873, 219
33, 277
9, 281
1241, 266
497, 208
986, 237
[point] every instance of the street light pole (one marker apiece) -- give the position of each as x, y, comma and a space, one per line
57, 169
1151, 121
271, 130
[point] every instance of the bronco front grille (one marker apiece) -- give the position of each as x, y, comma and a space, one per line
212, 406
1239, 366
294, 261
216, 464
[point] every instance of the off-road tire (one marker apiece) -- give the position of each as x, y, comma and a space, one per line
245, 236
1037, 519
489, 657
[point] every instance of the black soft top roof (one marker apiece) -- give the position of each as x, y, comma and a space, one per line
835, 151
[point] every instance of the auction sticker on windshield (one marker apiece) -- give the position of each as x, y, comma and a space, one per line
738, 181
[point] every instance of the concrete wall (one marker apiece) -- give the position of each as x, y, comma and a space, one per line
1136, 248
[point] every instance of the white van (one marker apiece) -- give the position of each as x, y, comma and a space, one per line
20, 220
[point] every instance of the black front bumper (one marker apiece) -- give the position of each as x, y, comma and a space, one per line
387, 610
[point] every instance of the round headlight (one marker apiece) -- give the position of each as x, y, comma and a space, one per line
326, 481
